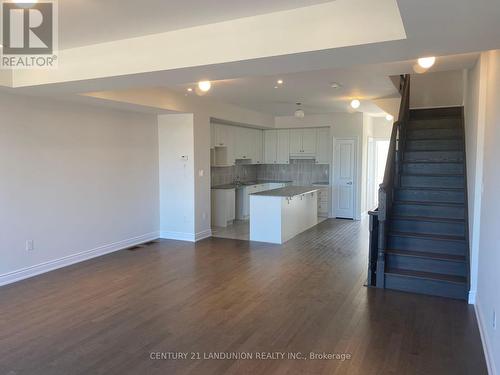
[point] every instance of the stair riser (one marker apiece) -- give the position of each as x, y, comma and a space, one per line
433, 181
434, 133
445, 267
428, 227
448, 212
447, 123
436, 113
430, 196
443, 156
427, 245
434, 144
433, 168
424, 286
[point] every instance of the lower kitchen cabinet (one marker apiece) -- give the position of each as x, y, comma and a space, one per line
243, 197
223, 207
324, 193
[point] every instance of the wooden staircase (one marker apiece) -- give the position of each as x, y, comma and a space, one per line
422, 234
427, 248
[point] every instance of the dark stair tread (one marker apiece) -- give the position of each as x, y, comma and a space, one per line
459, 138
427, 255
427, 218
426, 203
438, 237
429, 188
427, 275
433, 174
432, 162
434, 150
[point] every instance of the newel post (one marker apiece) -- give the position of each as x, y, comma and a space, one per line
382, 206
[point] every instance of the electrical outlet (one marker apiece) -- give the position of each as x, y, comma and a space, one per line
494, 319
30, 245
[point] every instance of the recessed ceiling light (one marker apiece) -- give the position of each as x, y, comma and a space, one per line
190, 89
389, 117
355, 103
275, 87
426, 62
335, 85
204, 85
279, 81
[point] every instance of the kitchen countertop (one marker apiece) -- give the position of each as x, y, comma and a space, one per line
287, 191
249, 183
324, 183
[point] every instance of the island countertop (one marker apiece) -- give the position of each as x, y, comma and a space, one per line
287, 191
249, 183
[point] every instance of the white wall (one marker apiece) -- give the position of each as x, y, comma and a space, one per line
482, 139
203, 109
176, 171
437, 89
78, 180
488, 295
475, 112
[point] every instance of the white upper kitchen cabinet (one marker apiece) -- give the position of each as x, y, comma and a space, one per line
303, 142
283, 146
239, 142
212, 135
223, 135
295, 141
323, 146
257, 149
270, 146
309, 141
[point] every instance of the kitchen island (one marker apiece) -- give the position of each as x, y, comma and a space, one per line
280, 214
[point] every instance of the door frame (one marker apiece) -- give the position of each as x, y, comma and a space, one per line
355, 182
371, 168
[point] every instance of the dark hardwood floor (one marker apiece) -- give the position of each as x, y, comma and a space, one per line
107, 315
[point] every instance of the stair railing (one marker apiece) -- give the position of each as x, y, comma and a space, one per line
392, 179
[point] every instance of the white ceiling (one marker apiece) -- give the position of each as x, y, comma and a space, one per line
313, 89
438, 27
85, 22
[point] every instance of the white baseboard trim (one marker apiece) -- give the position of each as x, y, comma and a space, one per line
51, 265
182, 236
472, 297
487, 351
204, 234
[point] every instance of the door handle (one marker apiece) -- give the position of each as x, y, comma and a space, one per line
349, 183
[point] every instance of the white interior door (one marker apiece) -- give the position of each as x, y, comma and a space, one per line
345, 162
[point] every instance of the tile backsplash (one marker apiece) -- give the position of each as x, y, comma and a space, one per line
301, 172
226, 175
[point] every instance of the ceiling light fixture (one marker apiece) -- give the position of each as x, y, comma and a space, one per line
426, 62
26, 3
389, 117
335, 85
299, 113
355, 103
204, 86
275, 87
279, 81
190, 89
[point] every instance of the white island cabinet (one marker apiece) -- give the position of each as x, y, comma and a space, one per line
280, 214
